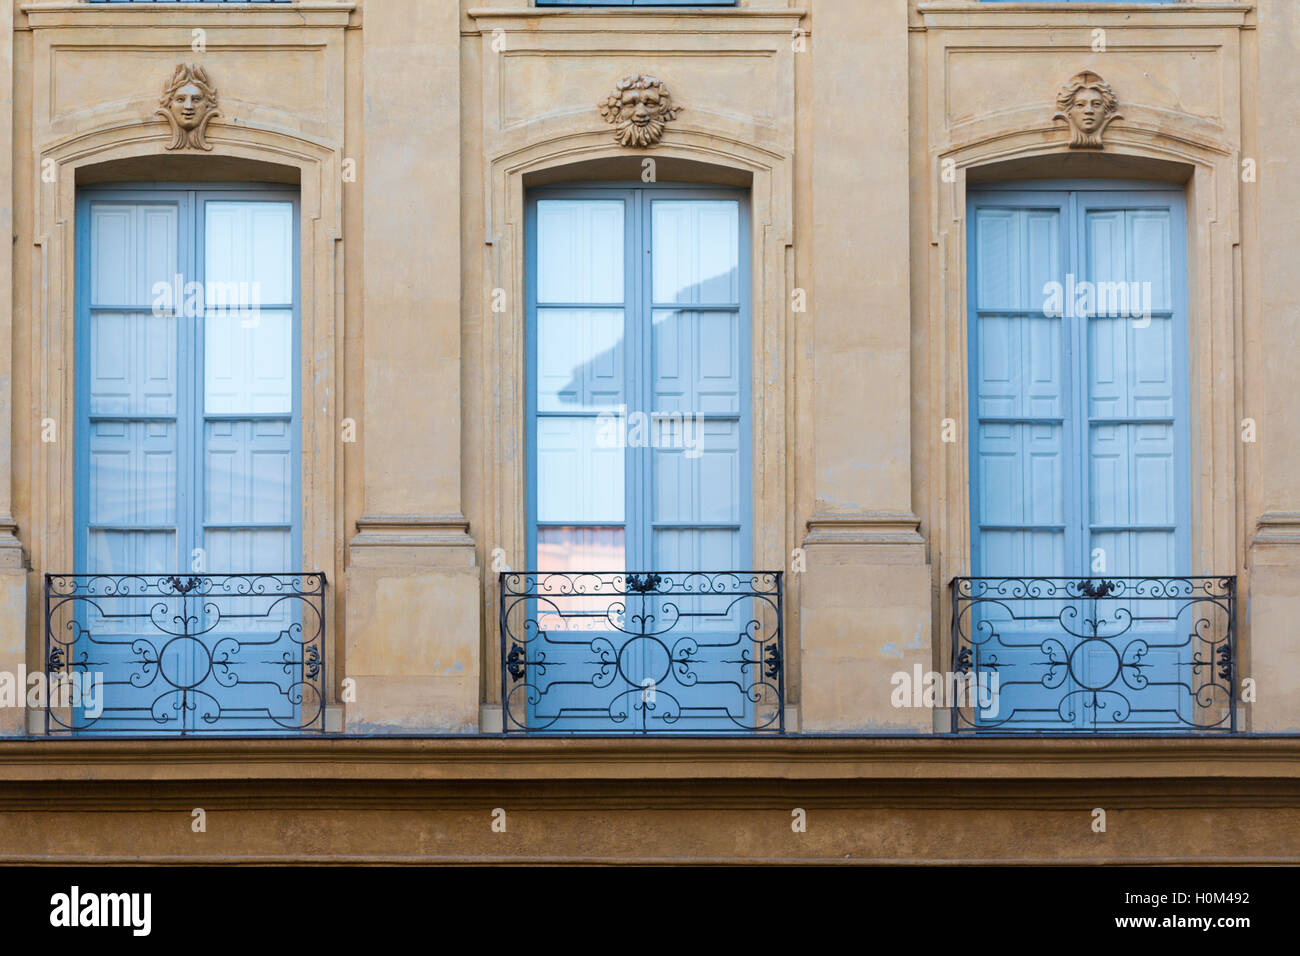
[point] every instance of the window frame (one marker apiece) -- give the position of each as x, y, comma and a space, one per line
1064, 195
638, 520
191, 415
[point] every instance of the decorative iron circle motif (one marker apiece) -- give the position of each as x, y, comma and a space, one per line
644, 662
1083, 660
176, 653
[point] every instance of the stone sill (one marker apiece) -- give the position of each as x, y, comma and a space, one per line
915, 762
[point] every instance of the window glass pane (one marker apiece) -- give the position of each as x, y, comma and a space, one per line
1131, 368
132, 473
1133, 478
580, 251
632, 3
580, 362
697, 471
133, 253
248, 362
581, 549
248, 289
1129, 258
698, 365
696, 254
248, 254
1021, 553
1093, 1
249, 477
131, 552
132, 363
709, 550
580, 464
1022, 473
1020, 367
1019, 253
572, 549
255, 549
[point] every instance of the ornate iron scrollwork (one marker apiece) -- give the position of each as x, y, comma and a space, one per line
642, 652
198, 654
1100, 589
1096, 655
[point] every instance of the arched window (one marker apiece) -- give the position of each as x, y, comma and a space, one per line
643, 612
1079, 457
188, 459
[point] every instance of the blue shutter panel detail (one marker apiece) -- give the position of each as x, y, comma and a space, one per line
1019, 393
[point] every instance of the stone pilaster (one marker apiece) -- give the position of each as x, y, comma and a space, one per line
866, 591
411, 586
1274, 600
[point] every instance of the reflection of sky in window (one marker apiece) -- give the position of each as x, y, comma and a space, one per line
581, 365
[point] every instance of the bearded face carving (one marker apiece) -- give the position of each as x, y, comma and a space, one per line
189, 103
1088, 105
639, 108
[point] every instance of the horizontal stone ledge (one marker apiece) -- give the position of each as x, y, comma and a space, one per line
916, 761
1053, 15
240, 14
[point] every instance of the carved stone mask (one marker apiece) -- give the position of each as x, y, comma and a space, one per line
1088, 105
189, 106
639, 108
189, 103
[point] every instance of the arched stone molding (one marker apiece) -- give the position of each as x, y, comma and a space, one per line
53, 180
1221, 464
500, 471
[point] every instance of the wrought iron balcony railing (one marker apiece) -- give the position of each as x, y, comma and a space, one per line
185, 654
1124, 655
642, 653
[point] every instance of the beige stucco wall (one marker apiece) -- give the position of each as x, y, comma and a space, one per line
840, 115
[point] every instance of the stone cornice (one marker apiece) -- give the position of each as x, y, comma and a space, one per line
1277, 528
634, 19
1039, 15
526, 759
864, 528
304, 13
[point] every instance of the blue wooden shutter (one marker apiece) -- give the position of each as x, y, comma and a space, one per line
1079, 454
1136, 439
133, 401
188, 449
637, 302
1021, 472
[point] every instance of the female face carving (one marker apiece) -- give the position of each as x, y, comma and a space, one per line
1088, 107
188, 103
188, 106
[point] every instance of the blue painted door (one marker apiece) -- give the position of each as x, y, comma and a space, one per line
639, 437
187, 447
1079, 448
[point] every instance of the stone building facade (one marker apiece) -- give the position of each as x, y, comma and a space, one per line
383, 464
